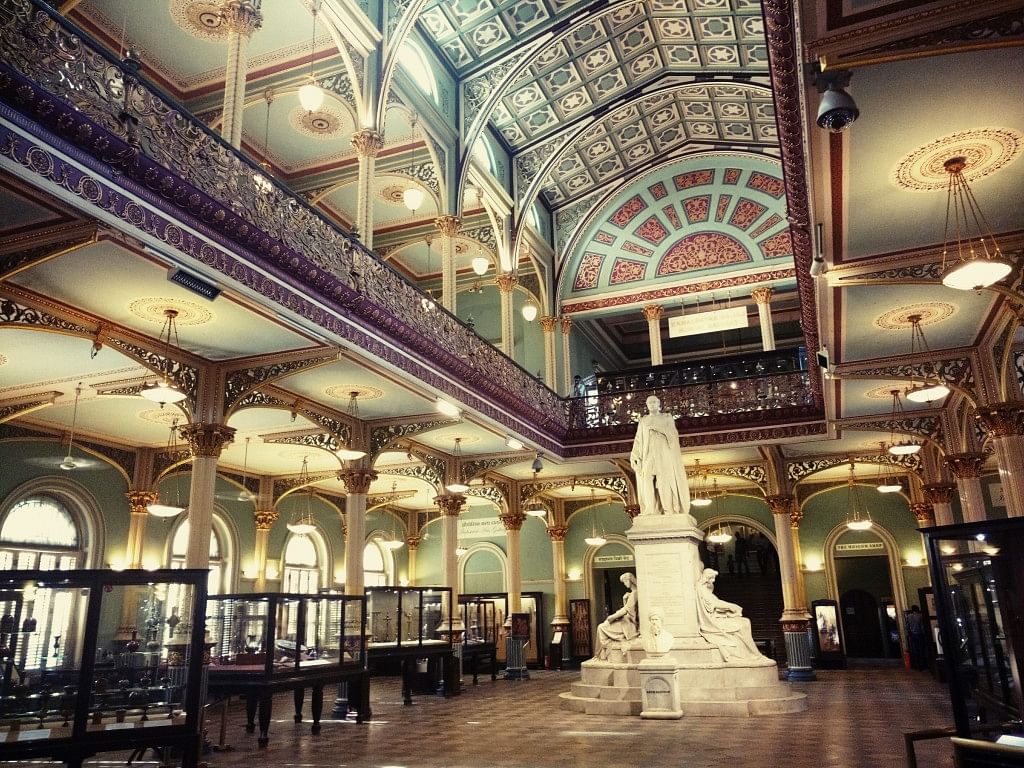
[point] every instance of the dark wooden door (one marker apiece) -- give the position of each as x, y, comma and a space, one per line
862, 631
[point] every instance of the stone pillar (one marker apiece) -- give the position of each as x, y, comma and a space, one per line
939, 496
515, 665
413, 543
547, 325
925, 516
206, 442
652, 314
451, 505
796, 515
357, 483
506, 282
367, 144
137, 503
560, 623
966, 467
242, 18
1004, 423
566, 323
265, 519
448, 226
763, 297
794, 616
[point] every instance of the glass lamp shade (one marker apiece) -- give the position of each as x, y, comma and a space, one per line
392, 543
301, 527
700, 501
904, 449
529, 312
163, 392
346, 454
164, 510
927, 393
457, 487
480, 263
888, 486
595, 541
858, 525
311, 96
413, 198
976, 274
536, 510
719, 537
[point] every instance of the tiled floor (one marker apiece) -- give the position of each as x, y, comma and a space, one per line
854, 718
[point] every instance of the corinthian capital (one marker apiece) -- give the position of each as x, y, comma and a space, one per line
357, 480
448, 225
207, 439
367, 142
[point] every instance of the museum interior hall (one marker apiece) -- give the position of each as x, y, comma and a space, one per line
326, 327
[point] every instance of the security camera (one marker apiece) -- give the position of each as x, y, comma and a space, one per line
824, 363
817, 266
837, 109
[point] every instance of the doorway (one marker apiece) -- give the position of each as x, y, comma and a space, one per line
865, 592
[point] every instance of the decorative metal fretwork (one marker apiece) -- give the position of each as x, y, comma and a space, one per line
489, 492
429, 474
755, 473
243, 381
483, 235
914, 273
798, 470
320, 441
22, 406
924, 425
382, 437
614, 483
955, 371
286, 485
471, 469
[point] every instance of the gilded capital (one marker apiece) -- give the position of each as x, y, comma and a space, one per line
761, 295
548, 323
566, 324
265, 519
923, 513
558, 532
939, 493
795, 626
506, 282
1002, 419
796, 515
413, 542
450, 504
448, 225
139, 500
207, 439
965, 465
632, 510
241, 16
653, 312
512, 522
367, 142
781, 504
357, 480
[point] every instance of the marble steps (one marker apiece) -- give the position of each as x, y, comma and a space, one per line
597, 706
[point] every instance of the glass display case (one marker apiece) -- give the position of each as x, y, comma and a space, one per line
479, 617
264, 643
408, 617
978, 577
531, 603
119, 666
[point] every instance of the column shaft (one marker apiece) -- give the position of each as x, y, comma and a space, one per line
966, 468
547, 325
506, 284
367, 143
413, 543
357, 483
764, 314
206, 442
137, 503
448, 226
265, 520
566, 323
787, 516
242, 18
652, 313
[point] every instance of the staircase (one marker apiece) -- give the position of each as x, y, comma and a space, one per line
760, 596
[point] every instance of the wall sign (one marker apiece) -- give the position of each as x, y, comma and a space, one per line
603, 559
706, 322
481, 528
860, 546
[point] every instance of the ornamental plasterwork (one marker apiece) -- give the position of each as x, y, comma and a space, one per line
151, 309
16, 260
568, 221
987, 150
325, 124
929, 312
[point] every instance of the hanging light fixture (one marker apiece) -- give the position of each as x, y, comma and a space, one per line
460, 550
301, 522
263, 183
393, 542
595, 539
965, 223
900, 447
701, 497
427, 302
720, 535
529, 311
514, 443
311, 95
347, 453
888, 483
480, 265
933, 387
244, 494
169, 510
164, 391
69, 461
458, 486
857, 518
413, 195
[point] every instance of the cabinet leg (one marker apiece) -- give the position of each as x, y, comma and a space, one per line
266, 702
250, 713
407, 681
316, 705
298, 693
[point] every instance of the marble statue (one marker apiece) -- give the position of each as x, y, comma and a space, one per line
721, 623
661, 485
622, 626
657, 640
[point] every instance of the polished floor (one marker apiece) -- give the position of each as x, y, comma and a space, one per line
855, 718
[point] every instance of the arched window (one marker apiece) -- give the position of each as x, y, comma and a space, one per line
416, 66
302, 564
378, 565
40, 533
179, 547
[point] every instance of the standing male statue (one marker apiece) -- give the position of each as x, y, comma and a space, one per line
661, 485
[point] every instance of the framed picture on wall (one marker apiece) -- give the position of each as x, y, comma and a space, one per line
828, 639
579, 629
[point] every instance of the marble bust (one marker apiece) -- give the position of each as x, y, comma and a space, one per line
657, 639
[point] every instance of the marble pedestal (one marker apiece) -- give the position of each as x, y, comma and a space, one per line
692, 678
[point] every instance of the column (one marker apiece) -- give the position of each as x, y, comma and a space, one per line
652, 314
265, 519
966, 467
560, 623
367, 143
547, 325
566, 361
764, 314
794, 616
413, 543
796, 515
1004, 423
506, 282
137, 503
242, 18
515, 655
206, 442
450, 505
925, 517
357, 483
940, 496
448, 226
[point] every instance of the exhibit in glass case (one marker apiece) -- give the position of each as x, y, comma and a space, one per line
531, 603
265, 643
119, 667
479, 640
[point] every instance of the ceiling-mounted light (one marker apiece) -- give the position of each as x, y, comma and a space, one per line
514, 443
301, 522
534, 508
244, 494
169, 510
69, 461
857, 519
537, 464
933, 387
347, 453
164, 391
458, 486
392, 542
311, 95
595, 539
480, 265
529, 311
888, 482
900, 447
701, 498
965, 223
720, 535
263, 183
448, 409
